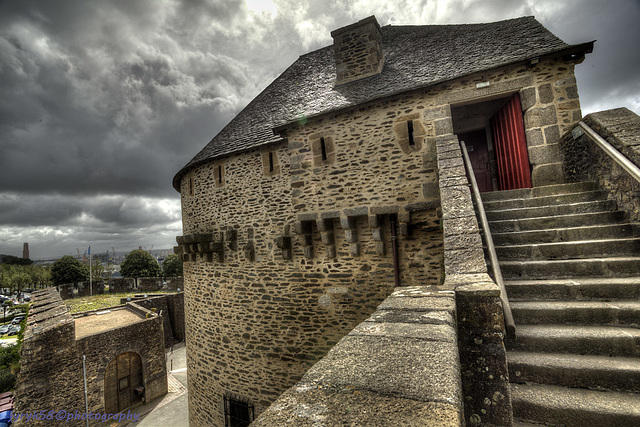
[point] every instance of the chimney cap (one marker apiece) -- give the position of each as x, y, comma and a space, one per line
360, 23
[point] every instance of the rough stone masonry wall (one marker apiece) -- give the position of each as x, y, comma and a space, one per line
146, 338
585, 161
50, 376
171, 308
258, 322
399, 367
279, 267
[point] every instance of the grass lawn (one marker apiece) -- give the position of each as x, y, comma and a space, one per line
78, 305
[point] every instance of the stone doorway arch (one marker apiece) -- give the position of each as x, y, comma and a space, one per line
122, 377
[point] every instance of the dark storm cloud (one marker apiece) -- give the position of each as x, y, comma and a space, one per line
102, 102
103, 211
89, 87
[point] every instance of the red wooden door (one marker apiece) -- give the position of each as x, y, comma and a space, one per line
476, 142
510, 144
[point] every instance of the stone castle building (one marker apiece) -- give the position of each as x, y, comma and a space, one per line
325, 193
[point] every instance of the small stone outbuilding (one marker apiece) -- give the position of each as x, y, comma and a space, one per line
123, 352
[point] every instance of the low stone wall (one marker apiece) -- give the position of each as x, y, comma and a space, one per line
149, 284
399, 367
585, 161
86, 289
175, 284
118, 286
66, 291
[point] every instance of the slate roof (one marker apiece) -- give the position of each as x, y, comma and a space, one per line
415, 57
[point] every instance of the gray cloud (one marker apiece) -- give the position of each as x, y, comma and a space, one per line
101, 103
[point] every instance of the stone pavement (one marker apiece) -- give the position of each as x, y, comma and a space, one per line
171, 409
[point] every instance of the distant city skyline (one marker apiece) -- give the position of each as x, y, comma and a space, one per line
101, 103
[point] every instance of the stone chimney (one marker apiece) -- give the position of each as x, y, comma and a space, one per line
358, 50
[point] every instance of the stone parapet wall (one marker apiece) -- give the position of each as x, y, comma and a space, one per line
480, 321
585, 161
49, 336
398, 367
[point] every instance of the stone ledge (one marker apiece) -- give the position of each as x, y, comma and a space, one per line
400, 366
310, 405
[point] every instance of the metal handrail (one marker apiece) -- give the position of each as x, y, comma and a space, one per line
509, 324
618, 157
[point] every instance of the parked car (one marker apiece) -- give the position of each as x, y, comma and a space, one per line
4, 329
14, 329
16, 320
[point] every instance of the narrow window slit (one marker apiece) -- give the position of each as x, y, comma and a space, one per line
410, 129
270, 162
323, 147
219, 174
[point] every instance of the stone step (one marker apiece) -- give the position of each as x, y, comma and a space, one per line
570, 234
575, 406
614, 341
534, 202
556, 221
577, 312
564, 269
547, 190
580, 288
570, 250
553, 210
572, 370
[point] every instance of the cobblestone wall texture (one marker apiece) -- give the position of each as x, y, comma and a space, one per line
585, 161
280, 266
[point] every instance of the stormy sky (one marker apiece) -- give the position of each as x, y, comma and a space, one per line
102, 102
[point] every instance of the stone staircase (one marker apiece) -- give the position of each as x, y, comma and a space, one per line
572, 272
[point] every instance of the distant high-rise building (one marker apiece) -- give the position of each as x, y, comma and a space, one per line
25, 251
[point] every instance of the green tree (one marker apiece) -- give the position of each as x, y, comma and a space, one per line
139, 263
172, 266
68, 270
41, 276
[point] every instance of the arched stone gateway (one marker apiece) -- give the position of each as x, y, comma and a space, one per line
122, 377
